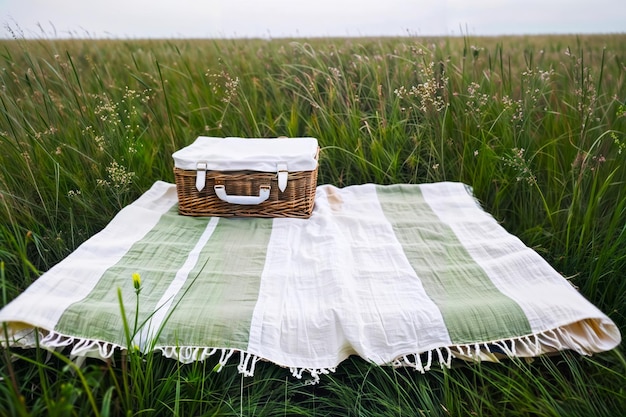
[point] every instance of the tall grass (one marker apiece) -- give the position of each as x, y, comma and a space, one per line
536, 125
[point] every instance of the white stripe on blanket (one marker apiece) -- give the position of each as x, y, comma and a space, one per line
348, 282
402, 275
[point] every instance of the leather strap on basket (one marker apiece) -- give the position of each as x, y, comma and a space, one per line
201, 175
282, 174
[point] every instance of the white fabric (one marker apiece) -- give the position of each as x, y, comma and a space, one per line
254, 154
341, 288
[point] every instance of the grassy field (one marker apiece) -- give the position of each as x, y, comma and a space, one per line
536, 125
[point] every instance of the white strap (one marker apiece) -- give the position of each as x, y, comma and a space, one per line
283, 174
264, 193
201, 175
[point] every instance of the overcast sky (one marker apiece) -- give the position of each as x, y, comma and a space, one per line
294, 18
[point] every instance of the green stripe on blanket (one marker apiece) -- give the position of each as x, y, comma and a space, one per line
457, 285
157, 257
214, 307
219, 292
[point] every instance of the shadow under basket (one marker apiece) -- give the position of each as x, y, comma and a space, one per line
296, 201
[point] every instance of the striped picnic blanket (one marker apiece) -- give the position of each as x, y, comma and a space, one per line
401, 274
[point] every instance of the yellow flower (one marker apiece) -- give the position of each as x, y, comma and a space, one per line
136, 280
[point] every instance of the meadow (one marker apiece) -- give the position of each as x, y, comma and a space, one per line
536, 125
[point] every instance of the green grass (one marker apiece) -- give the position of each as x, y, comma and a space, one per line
536, 125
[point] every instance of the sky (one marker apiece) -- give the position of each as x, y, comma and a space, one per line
132, 19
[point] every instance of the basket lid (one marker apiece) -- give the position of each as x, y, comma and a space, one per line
255, 154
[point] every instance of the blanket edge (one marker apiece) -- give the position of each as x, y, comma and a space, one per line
573, 336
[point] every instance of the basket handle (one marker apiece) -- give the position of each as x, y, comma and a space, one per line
264, 193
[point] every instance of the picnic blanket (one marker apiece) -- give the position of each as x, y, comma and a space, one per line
407, 275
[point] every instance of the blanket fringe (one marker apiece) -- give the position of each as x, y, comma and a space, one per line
423, 362
247, 363
526, 346
81, 348
315, 373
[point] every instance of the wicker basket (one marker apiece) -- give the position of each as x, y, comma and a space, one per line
246, 193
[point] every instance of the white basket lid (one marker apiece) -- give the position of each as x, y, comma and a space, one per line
255, 154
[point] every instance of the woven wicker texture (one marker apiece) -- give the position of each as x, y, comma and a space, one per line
296, 201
